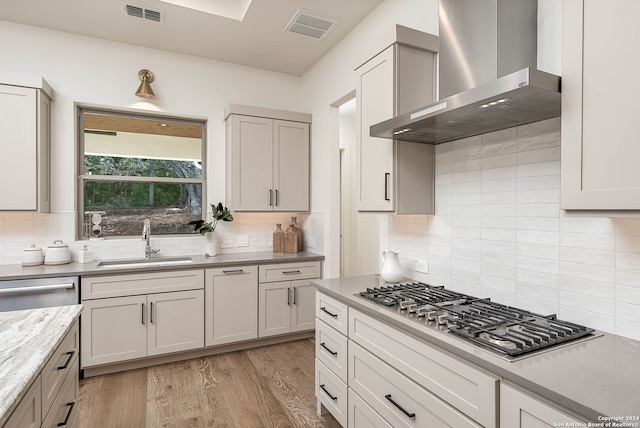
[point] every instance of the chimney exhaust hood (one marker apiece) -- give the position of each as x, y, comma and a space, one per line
487, 73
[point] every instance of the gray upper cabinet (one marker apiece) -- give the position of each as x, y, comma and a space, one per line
25, 117
395, 176
267, 159
600, 152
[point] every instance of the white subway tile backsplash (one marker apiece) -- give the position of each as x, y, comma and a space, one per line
490, 234
468, 277
502, 247
602, 290
538, 142
546, 196
540, 251
591, 257
548, 280
591, 225
538, 265
458, 243
489, 257
503, 173
628, 226
538, 183
538, 169
465, 232
542, 127
551, 295
627, 328
628, 261
628, 311
499, 148
627, 244
595, 320
536, 223
466, 176
466, 199
498, 271
499, 197
465, 265
471, 187
538, 237
499, 222
503, 185
590, 241
592, 273
539, 155
504, 135
464, 168
500, 161
630, 295
535, 305
538, 210
499, 210
629, 278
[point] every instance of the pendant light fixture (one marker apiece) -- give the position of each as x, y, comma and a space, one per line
145, 91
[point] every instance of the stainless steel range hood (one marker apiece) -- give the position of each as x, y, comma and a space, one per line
487, 72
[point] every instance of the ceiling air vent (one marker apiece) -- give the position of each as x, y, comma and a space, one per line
140, 12
311, 24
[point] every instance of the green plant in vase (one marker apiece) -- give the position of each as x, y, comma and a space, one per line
219, 213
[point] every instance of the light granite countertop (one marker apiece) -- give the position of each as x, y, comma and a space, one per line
593, 378
28, 339
12, 272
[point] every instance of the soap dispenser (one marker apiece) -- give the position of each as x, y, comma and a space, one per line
86, 255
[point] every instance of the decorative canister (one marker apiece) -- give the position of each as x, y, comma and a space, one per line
290, 240
297, 230
278, 239
32, 256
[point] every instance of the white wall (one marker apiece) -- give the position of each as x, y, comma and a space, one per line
331, 79
87, 70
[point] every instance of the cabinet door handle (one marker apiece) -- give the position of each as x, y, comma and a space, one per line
328, 350
233, 272
270, 198
66, 419
143, 313
410, 415
66, 364
386, 186
323, 309
328, 393
151, 313
276, 197
291, 272
295, 293
288, 295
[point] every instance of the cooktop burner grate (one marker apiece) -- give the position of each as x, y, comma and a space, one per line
506, 329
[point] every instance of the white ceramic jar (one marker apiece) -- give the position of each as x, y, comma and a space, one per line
32, 256
57, 254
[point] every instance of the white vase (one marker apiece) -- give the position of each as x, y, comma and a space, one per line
211, 243
391, 269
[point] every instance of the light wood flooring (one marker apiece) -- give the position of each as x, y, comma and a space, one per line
271, 386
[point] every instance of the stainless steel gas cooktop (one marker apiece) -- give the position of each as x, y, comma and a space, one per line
507, 331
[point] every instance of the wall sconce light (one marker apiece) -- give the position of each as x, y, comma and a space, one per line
145, 91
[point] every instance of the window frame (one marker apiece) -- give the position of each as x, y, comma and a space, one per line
82, 177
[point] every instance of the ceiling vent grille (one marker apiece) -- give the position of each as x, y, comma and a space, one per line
311, 24
140, 12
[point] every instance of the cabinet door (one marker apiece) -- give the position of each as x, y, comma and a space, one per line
375, 103
251, 164
599, 150
361, 415
519, 410
231, 303
18, 144
176, 322
274, 309
28, 413
113, 330
291, 166
303, 314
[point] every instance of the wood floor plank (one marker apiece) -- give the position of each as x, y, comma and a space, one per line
271, 386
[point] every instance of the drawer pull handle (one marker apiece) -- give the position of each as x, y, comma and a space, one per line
233, 271
70, 354
151, 313
66, 419
295, 294
328, 350
323, 309
328, 393
143, 313
291, 272
411, 415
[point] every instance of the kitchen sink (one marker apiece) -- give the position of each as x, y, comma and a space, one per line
135, 263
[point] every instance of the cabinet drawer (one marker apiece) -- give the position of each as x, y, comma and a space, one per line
331, 392
332, 312
361, 415
399, 400
289, 271
331, 349
99, 287
28, 412
59, 365
64, 409
464, 387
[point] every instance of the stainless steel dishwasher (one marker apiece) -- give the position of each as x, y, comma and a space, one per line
38, 293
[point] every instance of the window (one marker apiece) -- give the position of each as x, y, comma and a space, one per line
133, 167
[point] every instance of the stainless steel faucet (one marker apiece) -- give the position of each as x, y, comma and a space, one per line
146, 236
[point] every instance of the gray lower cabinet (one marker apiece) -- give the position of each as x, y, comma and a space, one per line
133, 316
286, 298
519, 409
51, 399
231, 300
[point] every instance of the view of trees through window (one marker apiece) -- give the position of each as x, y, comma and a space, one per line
137, 168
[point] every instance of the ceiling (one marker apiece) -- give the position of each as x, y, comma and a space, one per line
247, 32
